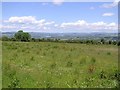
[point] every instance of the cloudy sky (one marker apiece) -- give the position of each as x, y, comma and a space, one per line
60, 16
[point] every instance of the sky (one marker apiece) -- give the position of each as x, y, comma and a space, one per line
61, 17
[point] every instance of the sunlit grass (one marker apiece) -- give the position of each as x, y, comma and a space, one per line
56, 65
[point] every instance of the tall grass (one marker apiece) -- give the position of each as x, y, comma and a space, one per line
59, 65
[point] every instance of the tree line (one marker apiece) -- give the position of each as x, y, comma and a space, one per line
26, 37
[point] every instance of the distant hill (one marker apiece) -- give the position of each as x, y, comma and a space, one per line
95, 36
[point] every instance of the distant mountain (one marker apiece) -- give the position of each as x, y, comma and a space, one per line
95, 36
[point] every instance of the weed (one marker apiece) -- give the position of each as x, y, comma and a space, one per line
91, 68
14, 83
102, 75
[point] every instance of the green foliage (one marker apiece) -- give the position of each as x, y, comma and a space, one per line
102, 75
110, 42
22, 36
114, 43
102, 41
14, 83
118, 43
5, 38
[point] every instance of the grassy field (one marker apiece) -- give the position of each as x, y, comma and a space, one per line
59, 65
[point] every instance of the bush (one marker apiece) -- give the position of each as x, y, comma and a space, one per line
118, 43
5, 38
102, 75
22, 36
14, 83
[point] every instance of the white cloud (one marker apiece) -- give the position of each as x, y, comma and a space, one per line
108, 14
58, 2
112, 24
103, 26
56, 25
28, 20
49, 23
24, 19
27, 27
84, 25
7, 27
29, 23
111, 5
77, 23
40, 21
99, 23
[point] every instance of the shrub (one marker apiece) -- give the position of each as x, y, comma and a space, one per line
115, 75
118, 43
14, 83
102, 75
5, 38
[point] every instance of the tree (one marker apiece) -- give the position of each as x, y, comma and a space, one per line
22, 36
5, 38
102, 41
12, 39
114, 42
110, 42
118, 43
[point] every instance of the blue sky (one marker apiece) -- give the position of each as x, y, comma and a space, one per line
60, 16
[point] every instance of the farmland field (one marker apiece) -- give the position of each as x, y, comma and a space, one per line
59, 65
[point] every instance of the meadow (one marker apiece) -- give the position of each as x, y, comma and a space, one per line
59, 65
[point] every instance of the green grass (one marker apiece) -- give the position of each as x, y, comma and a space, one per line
0, 64
59, 65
